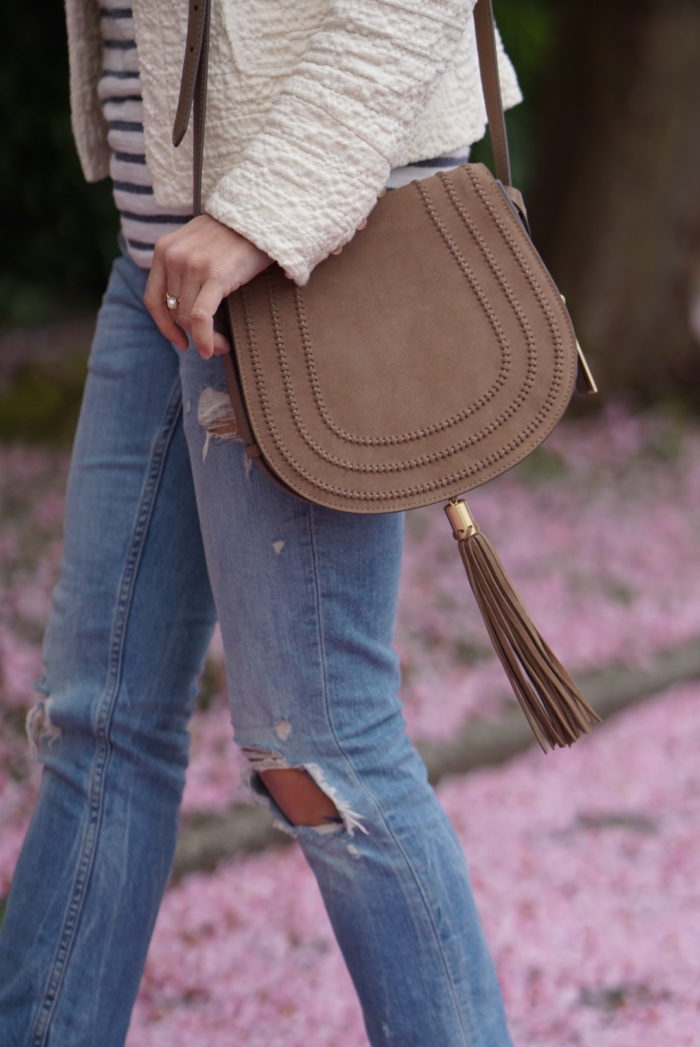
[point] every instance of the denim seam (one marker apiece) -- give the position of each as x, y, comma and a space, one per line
103, 719
363, 785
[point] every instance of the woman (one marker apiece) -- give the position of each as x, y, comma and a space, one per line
314, 106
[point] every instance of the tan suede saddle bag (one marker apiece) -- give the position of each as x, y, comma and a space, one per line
433, 353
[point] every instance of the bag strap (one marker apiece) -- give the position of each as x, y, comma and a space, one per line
194, 83
491, 86
193, 88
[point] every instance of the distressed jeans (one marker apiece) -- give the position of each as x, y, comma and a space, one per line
167, 530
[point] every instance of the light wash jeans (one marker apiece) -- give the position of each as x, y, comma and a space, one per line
306, 596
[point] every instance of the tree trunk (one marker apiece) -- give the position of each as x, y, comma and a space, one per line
616, 211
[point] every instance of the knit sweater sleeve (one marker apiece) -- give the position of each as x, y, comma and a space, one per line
308, 178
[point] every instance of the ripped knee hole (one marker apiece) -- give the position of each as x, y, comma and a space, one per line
296, 793
302, 793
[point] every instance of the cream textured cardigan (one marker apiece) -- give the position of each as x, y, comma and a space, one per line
310, 105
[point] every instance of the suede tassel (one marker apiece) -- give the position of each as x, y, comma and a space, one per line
555, 709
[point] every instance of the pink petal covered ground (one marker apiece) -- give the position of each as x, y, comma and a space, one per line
585, 864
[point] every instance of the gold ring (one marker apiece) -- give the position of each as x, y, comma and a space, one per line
171, 301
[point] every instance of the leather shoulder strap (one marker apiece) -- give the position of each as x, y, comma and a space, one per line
194, 76
491, 86
196, 24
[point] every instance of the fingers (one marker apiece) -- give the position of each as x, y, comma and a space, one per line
178, 270
221, 333
154, 299
200, 319
200, 263
221, 344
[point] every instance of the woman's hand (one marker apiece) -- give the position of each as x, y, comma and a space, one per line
199, 265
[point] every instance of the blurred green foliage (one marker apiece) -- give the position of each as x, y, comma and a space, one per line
528, 29
41, 403
59, 231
